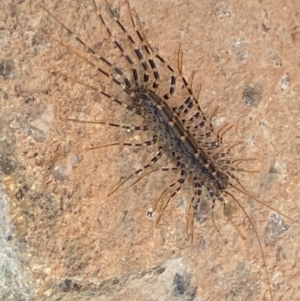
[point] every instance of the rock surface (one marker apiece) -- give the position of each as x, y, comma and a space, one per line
63, 238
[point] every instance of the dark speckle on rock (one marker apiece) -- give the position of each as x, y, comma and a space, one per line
21, 192
182, 287
160, 270
9, 237
115, 281
180, 284
68, 285
274, 58
6, 69
5, 95
252, 96
29, 100
76, 287
273, 170
276, 225
49, 207
7, 165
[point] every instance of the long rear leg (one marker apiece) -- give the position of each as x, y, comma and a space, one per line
108, 96
122, 50
176, 190
125, 84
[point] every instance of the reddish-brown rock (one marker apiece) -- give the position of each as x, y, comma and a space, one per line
73, 242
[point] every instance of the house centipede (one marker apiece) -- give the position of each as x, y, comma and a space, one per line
182, 133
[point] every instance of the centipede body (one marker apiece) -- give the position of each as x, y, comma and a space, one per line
169, 120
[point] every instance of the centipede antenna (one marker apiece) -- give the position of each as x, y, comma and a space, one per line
245, 192
237, 228
258, 239
214, 222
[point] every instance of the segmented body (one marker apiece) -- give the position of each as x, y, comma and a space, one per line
182, 146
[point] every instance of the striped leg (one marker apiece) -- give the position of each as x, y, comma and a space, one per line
180, 182
116, 100
121, 48
153, 161
193, 206
158, 169
215, 195
143, 54
123, 126
125, 84
146, 143
148, 54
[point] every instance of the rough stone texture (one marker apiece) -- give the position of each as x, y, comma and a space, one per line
70, 241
